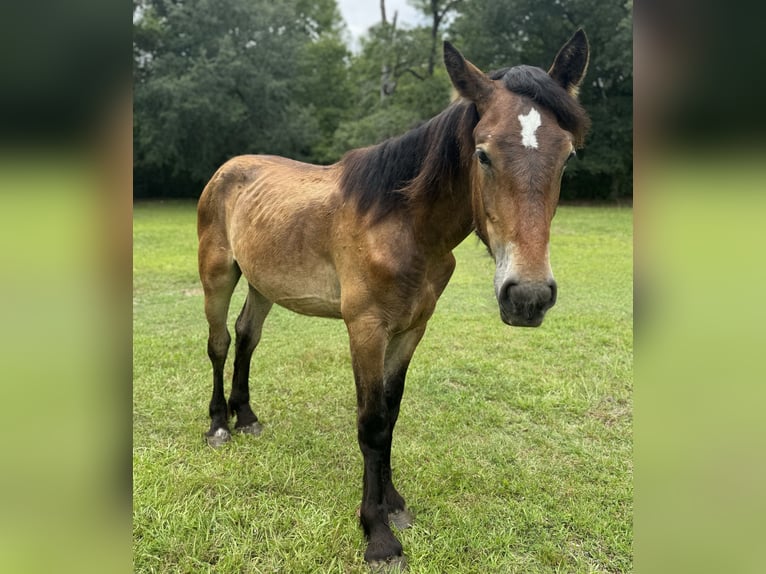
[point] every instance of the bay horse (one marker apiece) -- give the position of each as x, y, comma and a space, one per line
369, 240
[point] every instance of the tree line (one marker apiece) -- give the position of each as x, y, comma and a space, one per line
218, 78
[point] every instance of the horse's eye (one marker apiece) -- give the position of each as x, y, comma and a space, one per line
482, 156
571, 155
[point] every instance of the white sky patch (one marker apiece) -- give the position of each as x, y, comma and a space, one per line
529, 125
359, 15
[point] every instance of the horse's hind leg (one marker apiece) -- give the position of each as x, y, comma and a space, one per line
248, 330
219, 274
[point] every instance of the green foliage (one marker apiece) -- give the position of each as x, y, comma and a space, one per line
378, 125
414, 96
218, 78
323, 88
397, 88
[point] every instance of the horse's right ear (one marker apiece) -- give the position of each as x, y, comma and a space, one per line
469, 81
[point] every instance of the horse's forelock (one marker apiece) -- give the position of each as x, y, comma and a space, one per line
535, 84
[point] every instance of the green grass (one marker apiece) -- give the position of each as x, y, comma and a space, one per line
513, 446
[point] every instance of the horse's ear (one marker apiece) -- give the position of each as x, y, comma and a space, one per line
571, 62
469, 81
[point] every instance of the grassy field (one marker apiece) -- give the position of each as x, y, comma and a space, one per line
513, 447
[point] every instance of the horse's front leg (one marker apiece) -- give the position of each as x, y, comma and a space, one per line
397, 359
368, 340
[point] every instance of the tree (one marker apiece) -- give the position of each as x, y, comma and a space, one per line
217, 78
398, 82
438, 11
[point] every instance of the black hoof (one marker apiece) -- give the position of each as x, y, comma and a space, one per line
401, 518
253, 429
389, 566
218, 438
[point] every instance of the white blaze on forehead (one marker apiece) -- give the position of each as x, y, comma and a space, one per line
529, 125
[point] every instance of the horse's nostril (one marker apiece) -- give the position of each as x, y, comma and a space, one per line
505, 292
554, 290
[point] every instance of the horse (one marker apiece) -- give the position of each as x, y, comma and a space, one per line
369, 240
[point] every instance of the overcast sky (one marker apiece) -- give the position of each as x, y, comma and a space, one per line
361, 14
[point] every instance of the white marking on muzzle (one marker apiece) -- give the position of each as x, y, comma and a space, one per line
529, 125
506, 268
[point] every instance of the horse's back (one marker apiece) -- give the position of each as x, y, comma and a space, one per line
265, 178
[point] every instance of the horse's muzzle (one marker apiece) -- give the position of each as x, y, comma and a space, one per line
523, 304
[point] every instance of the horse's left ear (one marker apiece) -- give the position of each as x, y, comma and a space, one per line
571, 62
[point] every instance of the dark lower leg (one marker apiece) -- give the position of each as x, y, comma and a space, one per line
219, 277
393, 395
217, 348
239, 401
375, 443
248, 329
374, 428
398, 356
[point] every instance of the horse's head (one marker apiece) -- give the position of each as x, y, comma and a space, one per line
529, 125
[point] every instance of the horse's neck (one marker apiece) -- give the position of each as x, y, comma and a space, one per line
446, 221
439, 194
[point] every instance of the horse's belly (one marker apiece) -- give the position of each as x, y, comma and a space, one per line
306, 289
311, 305
317, 296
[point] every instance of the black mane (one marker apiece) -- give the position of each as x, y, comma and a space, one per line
537, 85
383, 177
